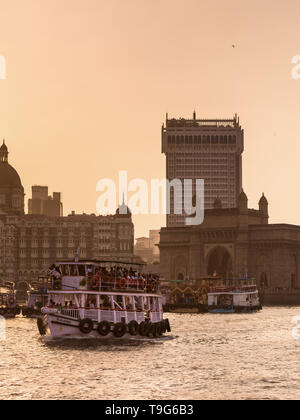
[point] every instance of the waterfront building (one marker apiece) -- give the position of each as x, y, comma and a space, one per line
30, 243
147, 247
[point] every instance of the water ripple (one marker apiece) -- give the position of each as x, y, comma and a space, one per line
206, 356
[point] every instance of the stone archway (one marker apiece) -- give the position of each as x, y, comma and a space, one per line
180, 267
219, 262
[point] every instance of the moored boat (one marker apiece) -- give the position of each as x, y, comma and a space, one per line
37, 297
8, 304
213, 294
234, 299
102, 299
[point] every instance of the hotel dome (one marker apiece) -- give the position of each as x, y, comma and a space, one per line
11, 189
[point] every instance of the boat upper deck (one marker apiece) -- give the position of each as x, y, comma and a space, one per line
99, 276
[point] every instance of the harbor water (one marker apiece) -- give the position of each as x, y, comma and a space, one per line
209, 356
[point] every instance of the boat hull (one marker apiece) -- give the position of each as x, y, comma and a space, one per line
57, 326
185, 309
8, 313
234, 310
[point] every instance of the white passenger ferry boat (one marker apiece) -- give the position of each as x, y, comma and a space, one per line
102, 299
242, 296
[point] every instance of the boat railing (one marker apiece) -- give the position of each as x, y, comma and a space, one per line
111, 315
235, 289
155, 316
115, 316
74, 313
91, 313
122, 283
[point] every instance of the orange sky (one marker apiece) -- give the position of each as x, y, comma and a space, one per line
89, 83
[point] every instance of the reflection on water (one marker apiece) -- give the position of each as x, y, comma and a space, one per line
101, 344
206, 356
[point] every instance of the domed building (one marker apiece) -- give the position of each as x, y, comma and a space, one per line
30, 243
11, 189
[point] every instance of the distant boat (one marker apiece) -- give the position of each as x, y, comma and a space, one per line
236, 298
212, 294
38, 297
8, 302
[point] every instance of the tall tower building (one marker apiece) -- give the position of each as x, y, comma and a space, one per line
209, 149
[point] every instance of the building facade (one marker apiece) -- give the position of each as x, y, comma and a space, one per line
204, 149
236, 243
45, 204
31, 243
147, 247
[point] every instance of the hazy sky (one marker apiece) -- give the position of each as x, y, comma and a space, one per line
89, 83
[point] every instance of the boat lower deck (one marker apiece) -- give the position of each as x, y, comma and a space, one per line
60, 325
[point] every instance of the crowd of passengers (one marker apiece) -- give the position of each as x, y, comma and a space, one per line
108, 276
120, 273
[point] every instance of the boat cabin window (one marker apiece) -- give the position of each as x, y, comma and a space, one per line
129, 302
91, 302
105, 302
118, 302
90, 269
65, 270
73, 270
81, 270
147, 306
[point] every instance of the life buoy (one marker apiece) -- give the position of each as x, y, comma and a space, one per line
122, 283
142, 328
148, 327
11, 301
133, 327
163, 327
159, 329
94, 283
86, 325
119, 330
152, 331
103, 328
167, 323
41, 326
